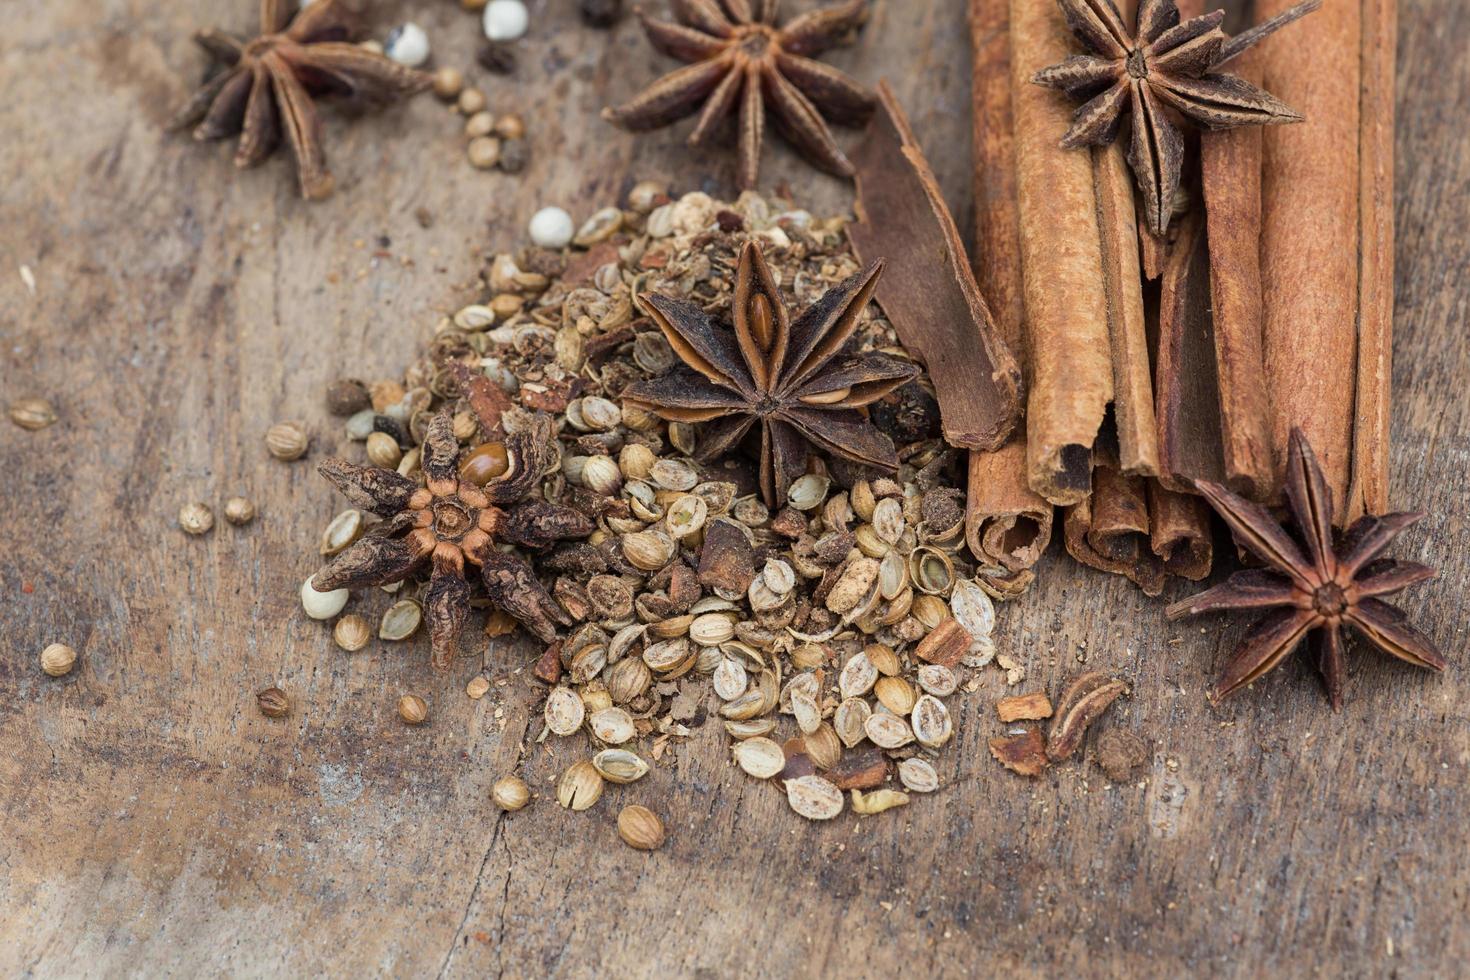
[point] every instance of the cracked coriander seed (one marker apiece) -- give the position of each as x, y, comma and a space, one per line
196, 518
640, 828
58, 659
32, 413
273, 702
239, 510
510, 793
412, 709
352, 632
287, 440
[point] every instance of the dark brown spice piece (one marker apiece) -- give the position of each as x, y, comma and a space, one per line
449, 522
785, 374
1161, 64
267, 89
737, 54
1024, 754
1081, 703
863, 768
1316, 590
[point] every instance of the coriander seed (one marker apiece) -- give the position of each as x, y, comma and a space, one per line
640, 828
287, 440
382, 450
510, 793
58, 659
483, 152
347, 396
448, 83
510, 126
412, 709
480, 124
352, 632
239, 510
471, 101
196, 518
273, 702
32, 413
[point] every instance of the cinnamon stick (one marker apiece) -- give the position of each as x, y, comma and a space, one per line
1310, 236
928, 291
1179, 532
1109, 530
1368, 490
1067, 328
1007, 524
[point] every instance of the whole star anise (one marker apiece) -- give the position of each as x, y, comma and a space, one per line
737, 54
451, 521
267, 86
785, 375
1323, 588
1161, 66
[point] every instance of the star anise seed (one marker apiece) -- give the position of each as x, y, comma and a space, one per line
737, 54
1162, 65
1322, 587
451, 521
268, 84
784, 374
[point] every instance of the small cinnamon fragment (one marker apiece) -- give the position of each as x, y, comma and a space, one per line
1024, 707
1024, 754
863, 768
1110, 529
945, 645
548, 668
1179, 532
1081, 703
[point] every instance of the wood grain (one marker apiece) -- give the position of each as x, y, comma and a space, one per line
153, 822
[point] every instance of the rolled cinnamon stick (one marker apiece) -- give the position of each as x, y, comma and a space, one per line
1179, 532
1067, 331
1369, 487
1007, 524
1109, 530
1310, 236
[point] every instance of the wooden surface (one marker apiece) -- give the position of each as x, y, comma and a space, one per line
153, 822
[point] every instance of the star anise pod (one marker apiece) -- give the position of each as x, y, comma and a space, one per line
784, 374
1161, 66
737, 54
451, 521
1327, 585
267, 85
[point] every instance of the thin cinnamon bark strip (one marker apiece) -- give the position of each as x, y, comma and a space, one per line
1067, 333
1179, 532
1310, 236
1188, 395
1369, 488
1133, 391
1231, 164
928, 291
1007, 524
1109, 530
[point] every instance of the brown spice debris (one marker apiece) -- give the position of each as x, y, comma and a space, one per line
929, 293
946, 645
1024, 754
1119, 753
1084, 700
1024, 707
861, 769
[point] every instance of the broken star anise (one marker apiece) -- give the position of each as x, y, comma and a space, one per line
268, 84
451, 521
1162, 65
1323, 588
737, 54
784, 374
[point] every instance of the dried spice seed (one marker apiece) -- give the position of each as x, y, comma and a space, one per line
510, 793
266, 90
477, 688
287, 441
1024, 753
341, 532
612, 726
888, 731
58, 659
814, 797
32, 413
640, 828
918, 776
850, 720
239, 511
938, 680
273, 702
620, 766
352, 632
580, 786
930, 722
401, 620
1024, 707
412, 709
564, 711
759, 757
1081, 703
784, 374
196, 518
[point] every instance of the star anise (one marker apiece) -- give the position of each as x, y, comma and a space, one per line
268, 84
1162, 65
784, 374
451, 521
1322, 588
737, 54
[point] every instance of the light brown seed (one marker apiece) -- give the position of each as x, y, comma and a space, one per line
483, 152
564, 711
352, 632
239, 511
759, 757
918, 776
401, 620
273, 702
612, 726
814, 798
884, 658
640, 828
196, 518
383, 450
287, 440
888, 731
32, 413
896, 694
580, 786
510, 793
413, 709
849, 721
823, 746
930, 721
478, 686
857, 677
620, 766
58, 659
448, 82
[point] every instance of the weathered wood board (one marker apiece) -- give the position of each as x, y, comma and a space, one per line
153, 823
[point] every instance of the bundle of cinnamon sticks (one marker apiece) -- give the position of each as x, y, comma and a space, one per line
1151, 363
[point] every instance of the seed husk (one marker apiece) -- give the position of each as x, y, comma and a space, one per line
887, 731
341, 532
564, 711
759, 757
750, 729
930, 721
814, 798
413, 709
640, 828
808, 715
612, 726
510, 793
857, 677
620, 766
849, 720
972, 608
730, 679
478, 687
823, 746
580, 786
918, 776
401, 620
937, 679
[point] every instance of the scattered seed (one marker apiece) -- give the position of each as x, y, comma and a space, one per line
352, 632
579, 787
510, 793
58, 659
287, 440
32, 413
196, 518
239, 510
918, 776
640, 828
814, 798
401, 620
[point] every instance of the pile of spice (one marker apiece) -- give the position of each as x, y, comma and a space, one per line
823, 615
